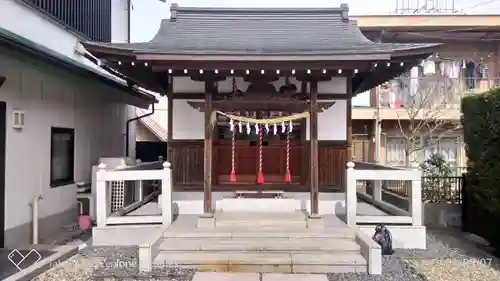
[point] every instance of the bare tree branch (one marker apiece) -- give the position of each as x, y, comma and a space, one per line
425, 106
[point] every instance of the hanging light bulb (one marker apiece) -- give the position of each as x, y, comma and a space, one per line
249, 130
240, 127
283, 128
275, 129
231, 125
291, 127
257, 129
267, 128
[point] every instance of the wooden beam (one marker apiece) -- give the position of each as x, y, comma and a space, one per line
313, 127
170, 109
207, 181
349, 118
262, 105
170, 120
240, 67
304, 175
201, 96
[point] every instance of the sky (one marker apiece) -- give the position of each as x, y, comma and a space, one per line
147, 14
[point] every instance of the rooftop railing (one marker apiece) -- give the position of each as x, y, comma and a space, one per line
428, 92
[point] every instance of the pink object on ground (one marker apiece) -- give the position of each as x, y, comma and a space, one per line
84, 222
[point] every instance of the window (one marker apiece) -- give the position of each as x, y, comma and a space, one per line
447, 146
62, 156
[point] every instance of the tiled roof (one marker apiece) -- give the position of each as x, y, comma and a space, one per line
251, 31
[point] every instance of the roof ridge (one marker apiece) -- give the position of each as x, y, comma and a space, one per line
175, 10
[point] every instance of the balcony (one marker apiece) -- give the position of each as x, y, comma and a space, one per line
436, 97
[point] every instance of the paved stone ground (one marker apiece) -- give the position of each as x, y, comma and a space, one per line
448, 258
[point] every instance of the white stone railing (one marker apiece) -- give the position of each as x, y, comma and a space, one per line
137, 174
413, 217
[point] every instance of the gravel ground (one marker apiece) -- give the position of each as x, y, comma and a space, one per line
453, 260
110, 263
447, 258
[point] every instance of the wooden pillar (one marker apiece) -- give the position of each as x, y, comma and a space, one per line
304, 174
207, 182
313, 130
349, 117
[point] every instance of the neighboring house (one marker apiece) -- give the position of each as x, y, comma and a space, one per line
467, 62
59, 112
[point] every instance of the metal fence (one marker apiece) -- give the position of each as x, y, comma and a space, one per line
434, 189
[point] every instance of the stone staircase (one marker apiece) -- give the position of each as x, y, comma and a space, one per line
263, 243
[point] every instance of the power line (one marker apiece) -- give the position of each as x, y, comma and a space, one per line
482, 4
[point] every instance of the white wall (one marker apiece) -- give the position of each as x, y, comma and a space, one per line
119, 21
188, 123
52, 97
331, 122
26, 22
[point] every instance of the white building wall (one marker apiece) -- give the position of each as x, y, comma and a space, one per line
52, 98
119, 21
332, 123
188, 123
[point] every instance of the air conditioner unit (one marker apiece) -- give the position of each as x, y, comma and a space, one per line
17, 119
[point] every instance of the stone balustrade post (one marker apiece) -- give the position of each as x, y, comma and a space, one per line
101, 198
416, 197
166, 194
351, 197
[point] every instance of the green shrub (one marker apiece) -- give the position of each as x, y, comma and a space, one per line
481, 124
437, 186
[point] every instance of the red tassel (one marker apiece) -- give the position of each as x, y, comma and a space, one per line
233, 176
288, 177
260, 178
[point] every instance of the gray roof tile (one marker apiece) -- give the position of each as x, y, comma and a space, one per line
234, 31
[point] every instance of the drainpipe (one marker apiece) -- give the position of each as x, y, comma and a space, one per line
34, 204
129, 18
127, 133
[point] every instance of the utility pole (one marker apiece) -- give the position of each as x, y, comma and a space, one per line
378, 125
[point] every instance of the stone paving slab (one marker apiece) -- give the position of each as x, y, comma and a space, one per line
225, 276
293, 277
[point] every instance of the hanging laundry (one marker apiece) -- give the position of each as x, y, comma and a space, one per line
454, 70
482, 70
443, 67
414, 80
470, 75
429, 67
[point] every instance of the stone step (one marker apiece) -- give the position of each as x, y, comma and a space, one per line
302, 224
304, 262
272, 232
260, 244
236, 216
